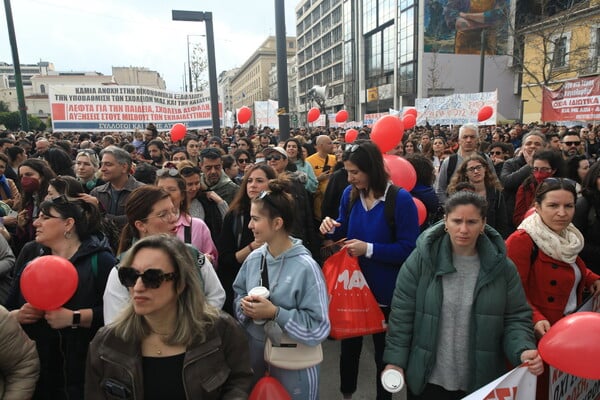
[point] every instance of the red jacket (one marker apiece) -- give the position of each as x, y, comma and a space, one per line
523, 202
547, 282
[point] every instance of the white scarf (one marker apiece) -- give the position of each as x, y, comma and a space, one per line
563, 247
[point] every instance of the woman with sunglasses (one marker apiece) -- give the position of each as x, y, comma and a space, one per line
380, 247
150, 211
545, 248
475, 170
244, 160
189, 229
204, 204
545, 164
67, 228
169, 342
87, 167
297, 303
236, 241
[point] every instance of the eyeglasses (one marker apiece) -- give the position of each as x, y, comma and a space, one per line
496, 153
164, 215
243, 160
475, 168
151, 278
569, 144
187, 171
542, 169
275, 157
167, 171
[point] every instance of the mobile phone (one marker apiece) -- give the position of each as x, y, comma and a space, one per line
326, 168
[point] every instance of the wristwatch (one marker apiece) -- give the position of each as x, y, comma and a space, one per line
76, 319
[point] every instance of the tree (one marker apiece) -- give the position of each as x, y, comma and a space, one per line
199, 66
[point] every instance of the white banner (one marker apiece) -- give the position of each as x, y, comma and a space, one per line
266, 113
456, 109
518, 384
125, 108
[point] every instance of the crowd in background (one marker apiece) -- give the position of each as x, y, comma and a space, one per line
135, 212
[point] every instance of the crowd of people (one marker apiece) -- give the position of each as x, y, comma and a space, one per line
171, 240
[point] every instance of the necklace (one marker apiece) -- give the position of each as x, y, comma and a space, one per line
161, 337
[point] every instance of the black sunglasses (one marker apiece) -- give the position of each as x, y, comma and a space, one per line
496, 153
572, 143
243, 160
276, 158
151, 278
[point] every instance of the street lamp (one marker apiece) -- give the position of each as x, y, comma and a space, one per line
206, 17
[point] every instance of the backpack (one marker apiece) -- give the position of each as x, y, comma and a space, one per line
389, 209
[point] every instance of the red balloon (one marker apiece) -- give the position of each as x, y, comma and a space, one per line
421, 210
387, 132
401, 172
351, 135
269, 388
178, 132
341, 116
244, 115
313, 114
409, 121
411, 111
48, 282
485, 113
571, 345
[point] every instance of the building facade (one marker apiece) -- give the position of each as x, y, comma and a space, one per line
376, 55
138, 76
561, 47
224, 88
7, 73
251, 83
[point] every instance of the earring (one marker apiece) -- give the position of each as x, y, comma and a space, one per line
445, 228
67, 234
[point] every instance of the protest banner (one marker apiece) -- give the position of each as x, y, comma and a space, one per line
125, 108
266, 113
370, 119
565, 386
456, 109
518, 384
575, 100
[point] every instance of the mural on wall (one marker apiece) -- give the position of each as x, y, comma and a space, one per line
454, 26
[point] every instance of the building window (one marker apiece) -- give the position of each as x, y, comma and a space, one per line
43, 89
560, 52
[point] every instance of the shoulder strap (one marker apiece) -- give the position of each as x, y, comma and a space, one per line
389, 209
452, 161
187, 233
264, 274
95, 264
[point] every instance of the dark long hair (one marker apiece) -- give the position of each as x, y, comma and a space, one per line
367, 157
46, 173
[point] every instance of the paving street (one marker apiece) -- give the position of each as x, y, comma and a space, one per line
330, 378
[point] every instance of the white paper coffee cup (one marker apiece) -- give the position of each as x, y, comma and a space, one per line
259, 291
392, 380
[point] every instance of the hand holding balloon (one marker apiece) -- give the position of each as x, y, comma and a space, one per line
60, 318
540, 328
28, 314
535, 364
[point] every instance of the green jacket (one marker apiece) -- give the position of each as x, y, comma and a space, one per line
501, 324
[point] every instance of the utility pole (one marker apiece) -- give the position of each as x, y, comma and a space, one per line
282, 76
17, 64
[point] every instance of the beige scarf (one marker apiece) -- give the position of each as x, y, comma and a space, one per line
563, 247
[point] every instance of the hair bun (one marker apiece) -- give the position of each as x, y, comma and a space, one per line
279, 185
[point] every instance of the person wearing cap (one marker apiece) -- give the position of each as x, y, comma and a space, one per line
213, 176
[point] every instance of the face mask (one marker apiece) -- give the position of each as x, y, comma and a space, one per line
30, 184
540, 176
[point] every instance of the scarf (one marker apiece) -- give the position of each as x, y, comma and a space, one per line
563, 247
5, 187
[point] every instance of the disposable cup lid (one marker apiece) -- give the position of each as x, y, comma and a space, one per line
392, 381
259, 291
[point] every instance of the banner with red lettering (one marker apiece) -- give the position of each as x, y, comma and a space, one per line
125, 108
575, 100
518, 384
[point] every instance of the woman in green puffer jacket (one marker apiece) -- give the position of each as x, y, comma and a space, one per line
459, 310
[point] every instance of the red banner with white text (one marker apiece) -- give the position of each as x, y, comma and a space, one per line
576, 100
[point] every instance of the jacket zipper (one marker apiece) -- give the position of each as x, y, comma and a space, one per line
126, 369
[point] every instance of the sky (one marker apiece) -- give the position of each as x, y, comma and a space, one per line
94, 35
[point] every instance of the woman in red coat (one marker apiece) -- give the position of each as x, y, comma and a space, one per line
545, 248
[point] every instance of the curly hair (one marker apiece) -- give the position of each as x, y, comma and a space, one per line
460, 175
